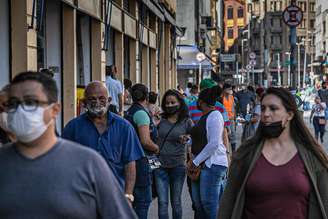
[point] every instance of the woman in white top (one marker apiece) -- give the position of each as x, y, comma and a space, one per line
209, 154
319, 121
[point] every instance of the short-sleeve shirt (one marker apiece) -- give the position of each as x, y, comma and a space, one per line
172, 152
68, 181
119, 144
196, 114
141, 118
319, 109
115, 88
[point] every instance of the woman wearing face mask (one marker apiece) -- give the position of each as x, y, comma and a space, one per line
318, 115
279, 173
209, 156
5, 135
172, 130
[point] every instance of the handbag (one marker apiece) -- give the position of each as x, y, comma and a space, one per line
322, 121
153, 160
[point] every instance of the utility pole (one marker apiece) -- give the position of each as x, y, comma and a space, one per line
288, 75
299, 63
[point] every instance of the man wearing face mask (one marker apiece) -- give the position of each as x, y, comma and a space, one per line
107, 133
42, 176
229, 104
5, 135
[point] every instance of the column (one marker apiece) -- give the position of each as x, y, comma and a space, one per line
133, 61
144, 63
69, 63
154, 75
119, 54
18, 36
96, 52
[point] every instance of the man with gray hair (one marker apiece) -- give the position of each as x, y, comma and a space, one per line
109, 134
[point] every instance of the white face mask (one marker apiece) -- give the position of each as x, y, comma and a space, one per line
27, 126
4, 121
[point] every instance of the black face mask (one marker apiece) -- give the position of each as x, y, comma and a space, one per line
272, 130
172, 109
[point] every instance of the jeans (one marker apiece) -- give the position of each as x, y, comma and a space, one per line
232, 135
318, 129
207, 191
142, 200
170, 179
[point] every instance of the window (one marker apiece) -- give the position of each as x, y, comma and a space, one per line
230, 12
230, 33
312, 23
312, 6
302, 5
303, 24
240, 12
324, 28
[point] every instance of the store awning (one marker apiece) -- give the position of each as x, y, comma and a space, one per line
187, 58
153, 7
169, 17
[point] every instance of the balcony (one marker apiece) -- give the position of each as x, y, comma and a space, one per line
230, 23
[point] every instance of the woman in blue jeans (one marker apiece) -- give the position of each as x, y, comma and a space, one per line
172, 130
209, 155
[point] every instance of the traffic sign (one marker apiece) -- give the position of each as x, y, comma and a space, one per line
252, 55
249, 67
292, 15
252, 62
228, 57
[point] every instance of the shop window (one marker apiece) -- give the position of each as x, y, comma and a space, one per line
230, 12
240, 12
230, 33
83, 47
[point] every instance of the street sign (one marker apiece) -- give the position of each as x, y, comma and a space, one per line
228, 57
292, 15
252, 55
252, 62
249, 67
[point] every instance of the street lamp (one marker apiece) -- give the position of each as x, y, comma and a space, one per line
312, 46
305, 59
288, 75
299, 63
200, 58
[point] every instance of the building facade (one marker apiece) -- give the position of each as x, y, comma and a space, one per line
320, 64
201, 25
76, 39
268, 38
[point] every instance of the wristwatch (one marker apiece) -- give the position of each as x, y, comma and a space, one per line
130, 197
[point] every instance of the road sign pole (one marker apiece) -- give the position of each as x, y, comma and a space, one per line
253, 80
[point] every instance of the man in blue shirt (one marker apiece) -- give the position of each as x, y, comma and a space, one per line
110, 135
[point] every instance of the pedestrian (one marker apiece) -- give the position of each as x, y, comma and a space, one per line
245, 99
5, 135
108, 134
141, 120
153, 108
209, 157
43, 176
318, 115
229, 104
323, 94
188, 89
193, 94
115, 88
280, 168
127, 94
172, 129
250, 126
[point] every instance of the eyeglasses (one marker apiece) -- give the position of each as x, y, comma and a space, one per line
28, 105
95, 99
